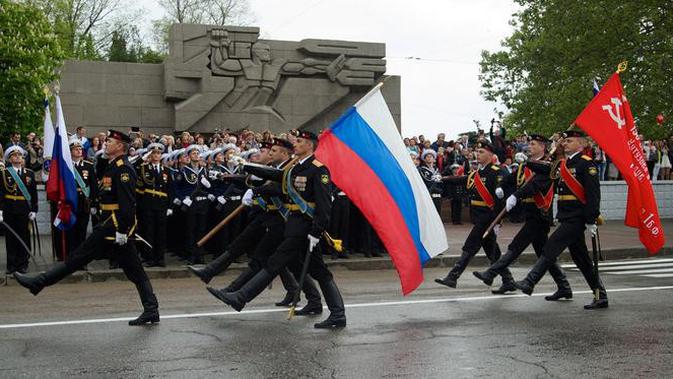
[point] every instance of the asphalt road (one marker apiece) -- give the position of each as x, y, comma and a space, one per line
79, 330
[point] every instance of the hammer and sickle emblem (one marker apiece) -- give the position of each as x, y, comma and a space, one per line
616, 115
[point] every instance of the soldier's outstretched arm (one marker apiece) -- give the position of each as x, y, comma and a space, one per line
264, 172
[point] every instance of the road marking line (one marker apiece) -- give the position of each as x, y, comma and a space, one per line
637, 272
624, 262
634, 267
356, 305
660, 276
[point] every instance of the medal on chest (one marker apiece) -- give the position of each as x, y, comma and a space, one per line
300, 183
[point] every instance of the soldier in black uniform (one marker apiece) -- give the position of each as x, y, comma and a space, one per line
431, 177
117, 205
155, 182
87, 192
579, 199
18, 206
261, 236
306, 183
536, 195
481, 185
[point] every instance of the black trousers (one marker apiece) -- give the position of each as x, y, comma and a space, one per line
570, 234
154, 229
456, 210
339, 220
273, 237
473, 243
77, 234
196, 228
96, 246
17, 256
294, 249
176, 232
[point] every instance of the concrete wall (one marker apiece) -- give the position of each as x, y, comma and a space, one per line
103, 95
613, 199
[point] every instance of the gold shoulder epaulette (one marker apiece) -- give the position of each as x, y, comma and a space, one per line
120, 163
496, 168
317, 163
88, 161
28, 170
586, 157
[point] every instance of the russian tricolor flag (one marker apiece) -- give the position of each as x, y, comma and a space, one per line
368, 161
61, 186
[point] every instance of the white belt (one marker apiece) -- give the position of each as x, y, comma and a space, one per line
436, 195
201, 198
341, 193
234, 198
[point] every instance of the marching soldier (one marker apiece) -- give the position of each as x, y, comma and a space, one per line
536, 192
481, 185
117, 205
18, 207
260, 237
579, 196
306, 183
87, 192
155, 181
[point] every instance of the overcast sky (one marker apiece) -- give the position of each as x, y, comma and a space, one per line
440, 91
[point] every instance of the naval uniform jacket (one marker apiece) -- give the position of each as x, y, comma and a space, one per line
117, 197
570, 208
87, 172
11, 199
155, 186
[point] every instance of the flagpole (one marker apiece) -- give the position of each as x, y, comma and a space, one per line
371, 92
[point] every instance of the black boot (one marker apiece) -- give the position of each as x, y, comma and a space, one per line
291, 287
602, 302
335, 304
528, 284
485, 276
507, 282
249, 291
213, 268
310, 309
563, 292
451, 280
287, 300
241, 279
37, 283
150, 313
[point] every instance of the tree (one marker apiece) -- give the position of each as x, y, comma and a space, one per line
30, 56
544, 73
127, 46
214, 12
77, 22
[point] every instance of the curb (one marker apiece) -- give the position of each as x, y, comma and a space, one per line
353, 264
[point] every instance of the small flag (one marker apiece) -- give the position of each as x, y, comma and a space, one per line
48, 139
596, 88
61, 186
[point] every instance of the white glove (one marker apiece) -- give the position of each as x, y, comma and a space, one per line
221, 200
510, 203
169, 212
205, 182
1, 218
499, 193
436, 178
187, 201
312, 242
32, 216
177, 201
592, 228
211, 197
247, 198
93, 211
121, 239
496, 229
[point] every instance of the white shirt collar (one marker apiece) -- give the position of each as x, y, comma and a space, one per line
301, 161
571, 156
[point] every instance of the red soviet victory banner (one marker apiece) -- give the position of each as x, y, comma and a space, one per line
609, 121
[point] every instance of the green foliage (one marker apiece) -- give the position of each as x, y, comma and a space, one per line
545, 71
127, 46
29, 59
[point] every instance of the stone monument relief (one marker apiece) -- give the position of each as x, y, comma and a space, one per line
227, 77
